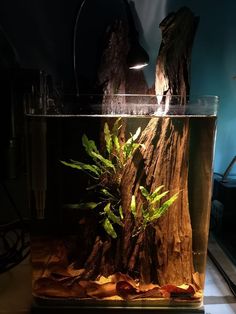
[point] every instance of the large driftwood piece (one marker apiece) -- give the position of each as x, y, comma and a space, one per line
103, 257
164, 161
166, 256
163, 252
172, 77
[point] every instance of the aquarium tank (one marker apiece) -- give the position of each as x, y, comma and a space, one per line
119, 188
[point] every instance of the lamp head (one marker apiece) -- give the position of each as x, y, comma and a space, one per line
137, 57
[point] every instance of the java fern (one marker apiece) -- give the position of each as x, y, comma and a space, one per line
105, 170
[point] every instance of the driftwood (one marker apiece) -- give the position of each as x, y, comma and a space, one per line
172, 77
103, 257
163, 252
113, 68
114, 76
166, 163
172, 68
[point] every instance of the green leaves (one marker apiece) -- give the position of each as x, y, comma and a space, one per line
90, 169
152, 210
108, 138
164, 207
113, 145
133, 206
111, 218
111, 215
109, 228
106, 170
89, 145
115, 132
92, 151
107, 194
111, 137
130, 146
121, 212
144, 192
104, 162
88, 205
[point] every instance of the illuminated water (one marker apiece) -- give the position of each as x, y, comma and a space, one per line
100, 234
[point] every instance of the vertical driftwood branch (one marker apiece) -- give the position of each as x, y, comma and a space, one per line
164, 162
168, 247
172, 68
114, 76
172, 78
112, 71
113, 67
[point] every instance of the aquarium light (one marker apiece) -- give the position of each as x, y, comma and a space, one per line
137, 56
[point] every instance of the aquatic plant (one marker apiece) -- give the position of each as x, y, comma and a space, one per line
106, 171
152, 209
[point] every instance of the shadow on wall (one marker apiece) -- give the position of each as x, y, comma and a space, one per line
42, 34
151, 13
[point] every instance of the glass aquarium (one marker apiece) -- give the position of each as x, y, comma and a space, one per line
119, 189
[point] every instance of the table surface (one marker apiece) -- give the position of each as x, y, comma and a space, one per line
15, 291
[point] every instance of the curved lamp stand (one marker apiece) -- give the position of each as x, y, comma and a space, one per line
74, 46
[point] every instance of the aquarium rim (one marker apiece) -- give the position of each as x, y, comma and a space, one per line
133, 105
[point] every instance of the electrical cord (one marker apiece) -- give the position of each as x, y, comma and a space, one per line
14, 239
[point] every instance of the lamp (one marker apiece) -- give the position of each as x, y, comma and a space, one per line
74, 46
137, 57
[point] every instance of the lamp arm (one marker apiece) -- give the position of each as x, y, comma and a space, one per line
74, 45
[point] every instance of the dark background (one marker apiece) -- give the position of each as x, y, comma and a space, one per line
39, 36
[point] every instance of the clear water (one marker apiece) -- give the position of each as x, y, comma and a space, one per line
125, 222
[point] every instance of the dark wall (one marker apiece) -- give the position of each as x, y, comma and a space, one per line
39, 34
42, 32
